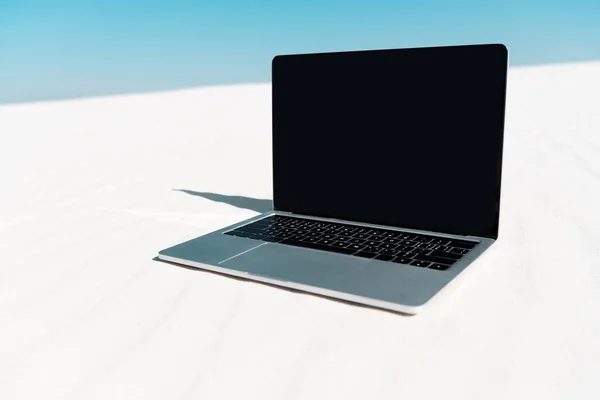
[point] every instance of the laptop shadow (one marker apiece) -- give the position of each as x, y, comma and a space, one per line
350, 303
249, 203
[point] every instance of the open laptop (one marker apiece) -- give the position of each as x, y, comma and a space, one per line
386, 176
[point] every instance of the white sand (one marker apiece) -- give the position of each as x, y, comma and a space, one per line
87, 200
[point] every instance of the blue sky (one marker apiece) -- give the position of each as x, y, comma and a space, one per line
62, 49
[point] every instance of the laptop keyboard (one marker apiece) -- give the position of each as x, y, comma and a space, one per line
425, 251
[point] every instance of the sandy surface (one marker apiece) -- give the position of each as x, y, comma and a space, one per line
89, 196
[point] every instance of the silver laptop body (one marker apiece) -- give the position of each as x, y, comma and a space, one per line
403, 146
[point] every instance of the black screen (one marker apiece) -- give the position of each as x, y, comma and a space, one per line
409, 138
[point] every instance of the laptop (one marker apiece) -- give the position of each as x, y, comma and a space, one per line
386, 176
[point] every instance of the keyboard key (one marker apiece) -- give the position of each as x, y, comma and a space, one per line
439, 267
365, 254
313, 234
297, 243
340, 243
458, 250
245, 233
406, 236
418, 263
282, 234
240, 234
402, 260
341, 250
462, 243
373, 249
377, 238
419, 250
445, 254
357, 241
261, 222
251, 229
271, 239
360, 235
389, 234
279, 235
327, 242
435, 259
384, 257
423, 239
334, 227
278, 229
257, 236
295, 236
311, 239
406, 254
356, 247
388, 251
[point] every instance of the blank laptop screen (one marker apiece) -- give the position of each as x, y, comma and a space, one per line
409, 138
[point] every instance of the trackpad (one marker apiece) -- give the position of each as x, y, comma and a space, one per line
362, 277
